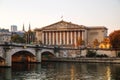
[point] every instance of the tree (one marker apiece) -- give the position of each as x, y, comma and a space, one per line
17, 39
115, 39
105, 44
91, 53
106, 41
80, 42
95, 43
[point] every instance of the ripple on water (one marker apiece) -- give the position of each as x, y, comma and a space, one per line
68, 71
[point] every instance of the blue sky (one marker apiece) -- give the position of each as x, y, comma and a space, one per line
40, 13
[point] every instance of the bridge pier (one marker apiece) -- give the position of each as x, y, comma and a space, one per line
8, 62
38, 56
57, 54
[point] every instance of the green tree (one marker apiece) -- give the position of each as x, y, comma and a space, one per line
115, 39
17, 39
91, 53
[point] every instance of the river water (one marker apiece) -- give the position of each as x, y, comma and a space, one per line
61, 71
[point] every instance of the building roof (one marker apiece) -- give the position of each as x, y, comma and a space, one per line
4, 30
97, 27
67, 25
62, 25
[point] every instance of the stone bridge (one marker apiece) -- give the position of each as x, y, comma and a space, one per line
16, 52
31, 53
36, 53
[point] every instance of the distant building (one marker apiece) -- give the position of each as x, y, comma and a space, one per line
20, 33
64, 33
23, 28
5, 35
13, 28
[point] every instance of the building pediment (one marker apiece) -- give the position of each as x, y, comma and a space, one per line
63, 25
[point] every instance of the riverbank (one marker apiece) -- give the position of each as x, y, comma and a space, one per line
76, 60
86, 60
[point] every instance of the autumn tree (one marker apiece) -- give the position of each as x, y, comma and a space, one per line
106, 41
95, 43
80, 42
115, 39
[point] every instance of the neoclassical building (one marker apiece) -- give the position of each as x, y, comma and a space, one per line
68, 34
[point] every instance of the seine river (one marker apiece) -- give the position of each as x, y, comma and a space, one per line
61, 71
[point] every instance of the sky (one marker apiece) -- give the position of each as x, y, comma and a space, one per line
40, 13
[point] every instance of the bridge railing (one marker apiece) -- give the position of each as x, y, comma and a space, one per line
53, 46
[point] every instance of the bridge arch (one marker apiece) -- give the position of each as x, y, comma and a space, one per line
2, 61
22, 55
13, 51
45, 54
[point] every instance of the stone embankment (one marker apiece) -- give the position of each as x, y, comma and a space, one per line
86, 60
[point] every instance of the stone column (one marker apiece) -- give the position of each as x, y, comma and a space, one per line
56, 38
74, 37
85, 37
49, 38
46, 38
67, 37
78, 35
43, 38
71, 37
53, 38
64, 37
82, 35
60, 38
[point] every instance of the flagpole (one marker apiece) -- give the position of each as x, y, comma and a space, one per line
62, 18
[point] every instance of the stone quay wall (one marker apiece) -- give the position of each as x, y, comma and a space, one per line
86, 60
83, 52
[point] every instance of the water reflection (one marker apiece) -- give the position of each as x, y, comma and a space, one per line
61, 71
5, 74
108, 73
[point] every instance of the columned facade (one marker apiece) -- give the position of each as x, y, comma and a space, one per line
67, 37
68, 34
